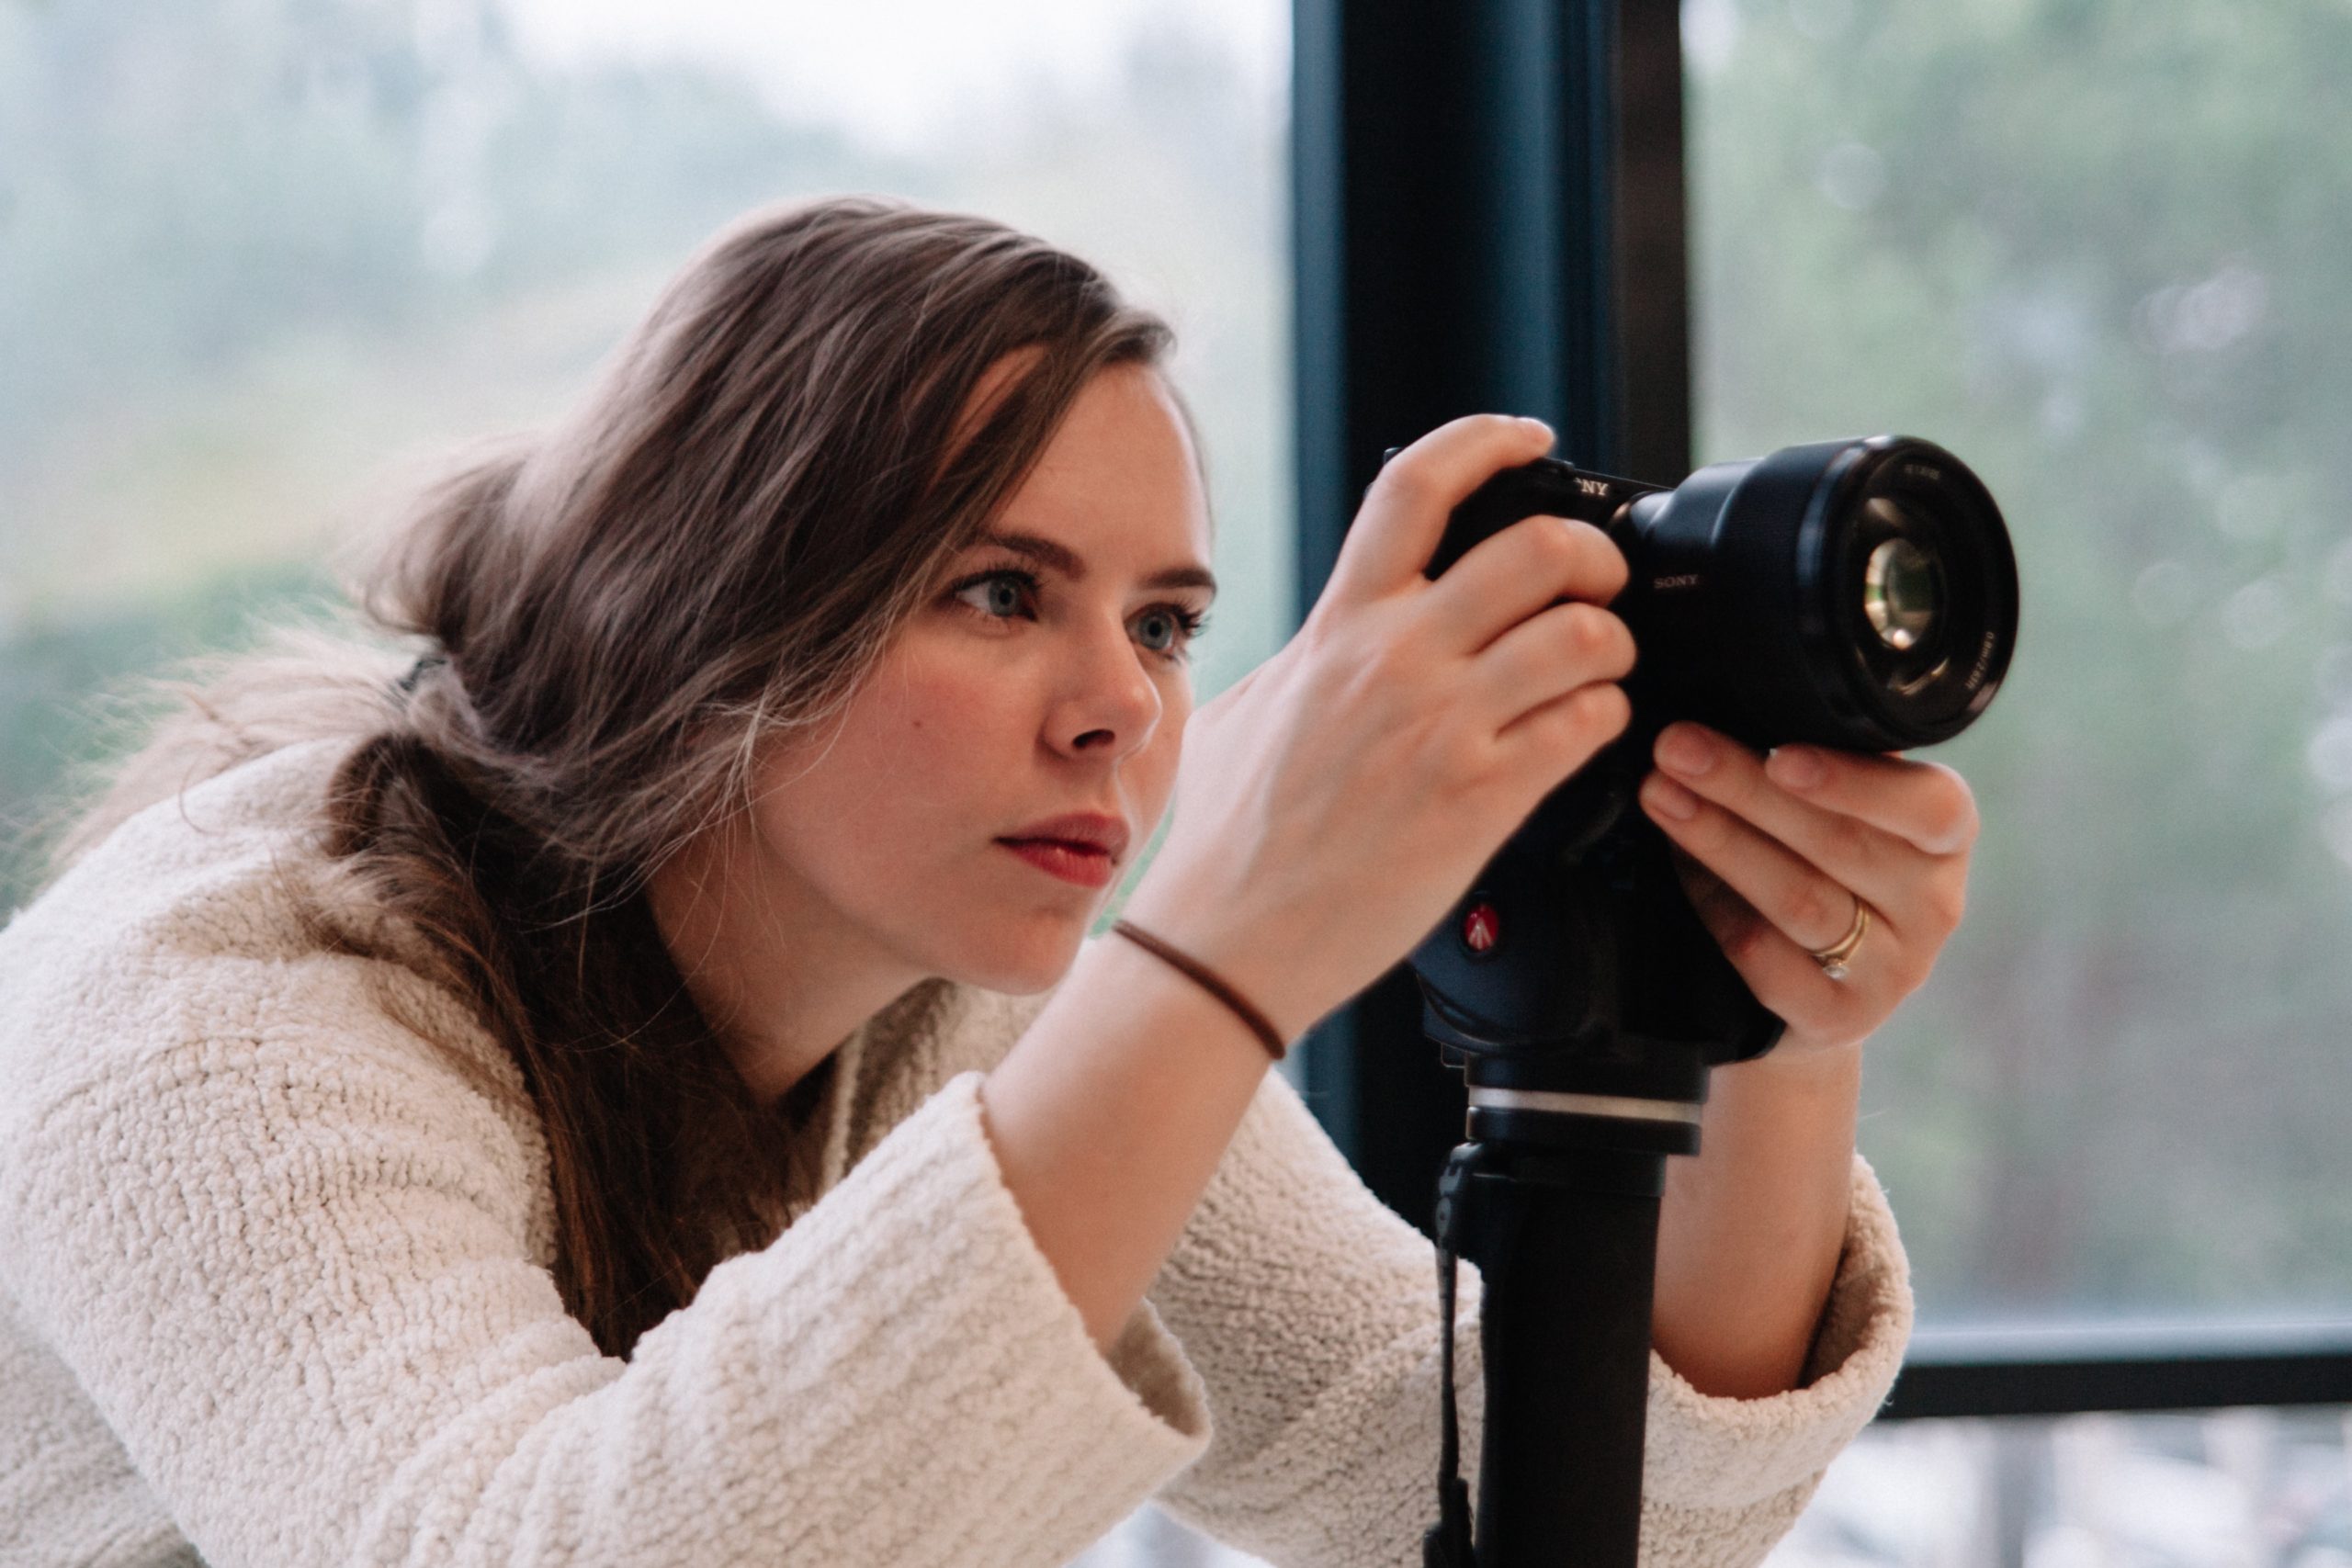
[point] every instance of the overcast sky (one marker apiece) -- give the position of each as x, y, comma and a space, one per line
898, 73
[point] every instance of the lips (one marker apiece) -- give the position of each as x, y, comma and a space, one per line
1058, 858
1087, 832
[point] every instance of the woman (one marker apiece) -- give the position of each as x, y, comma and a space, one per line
621, 1078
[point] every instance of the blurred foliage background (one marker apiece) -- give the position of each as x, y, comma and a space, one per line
2097, 250
253, 266
255, 269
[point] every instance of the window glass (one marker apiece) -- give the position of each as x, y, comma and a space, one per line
2098, 252
2223, 1486
254, 267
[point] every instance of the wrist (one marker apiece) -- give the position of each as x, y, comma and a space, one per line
1260, 1027
1808, 1101
1803, 1067
1193, 923
1129, 976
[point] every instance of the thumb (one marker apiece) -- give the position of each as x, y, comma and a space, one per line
1404, 513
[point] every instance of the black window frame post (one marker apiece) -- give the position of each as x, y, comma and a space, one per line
1453, 170
1488, 215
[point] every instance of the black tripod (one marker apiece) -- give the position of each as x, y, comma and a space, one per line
1560, 1214
1582, 1080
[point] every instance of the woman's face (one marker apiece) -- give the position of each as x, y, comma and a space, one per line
1043, 677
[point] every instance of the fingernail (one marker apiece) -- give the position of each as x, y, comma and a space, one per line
1794, 767
1662, 795
1538, 425
1685, 750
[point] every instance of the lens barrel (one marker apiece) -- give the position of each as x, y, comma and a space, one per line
1861, 594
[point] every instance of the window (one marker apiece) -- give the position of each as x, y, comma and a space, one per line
2240, 1486
2098, 256
251, 269
2097, 252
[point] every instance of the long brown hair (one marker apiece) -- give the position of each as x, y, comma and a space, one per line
707, 554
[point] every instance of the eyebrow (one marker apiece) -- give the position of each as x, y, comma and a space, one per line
1064, 560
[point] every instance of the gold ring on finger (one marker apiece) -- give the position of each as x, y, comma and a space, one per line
1834, 959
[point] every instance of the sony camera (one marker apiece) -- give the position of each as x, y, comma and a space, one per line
1860, 594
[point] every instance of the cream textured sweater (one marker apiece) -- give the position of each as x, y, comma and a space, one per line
274, 1290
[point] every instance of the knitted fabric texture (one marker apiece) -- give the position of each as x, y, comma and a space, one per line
274, 1290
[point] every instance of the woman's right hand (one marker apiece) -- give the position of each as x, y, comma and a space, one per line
1333, 803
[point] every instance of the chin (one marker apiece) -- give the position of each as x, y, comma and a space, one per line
1022, 960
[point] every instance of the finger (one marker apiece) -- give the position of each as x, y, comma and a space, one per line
1547, 655
1546, 659
1784, 977
1925, 804
1396, 529
1547, 744
1811, 908
1885, 868
1516, 571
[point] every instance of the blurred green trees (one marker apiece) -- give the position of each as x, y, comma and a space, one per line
252, 271
2098, 250
245, 262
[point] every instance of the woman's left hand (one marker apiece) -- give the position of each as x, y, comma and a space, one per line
1780, 852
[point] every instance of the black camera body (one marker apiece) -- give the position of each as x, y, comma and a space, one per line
1860, 594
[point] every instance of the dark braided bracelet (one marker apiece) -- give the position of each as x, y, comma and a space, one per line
1209, 982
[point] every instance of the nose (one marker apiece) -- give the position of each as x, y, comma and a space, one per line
1111, 704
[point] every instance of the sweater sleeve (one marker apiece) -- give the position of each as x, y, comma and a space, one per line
290, 1269
1310, 1310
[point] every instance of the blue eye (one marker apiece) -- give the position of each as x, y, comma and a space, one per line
1006, 592
1184, 627
1012, 592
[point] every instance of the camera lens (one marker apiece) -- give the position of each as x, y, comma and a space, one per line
1902, 591
1852, 593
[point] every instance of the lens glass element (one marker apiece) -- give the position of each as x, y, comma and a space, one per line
1902, 593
